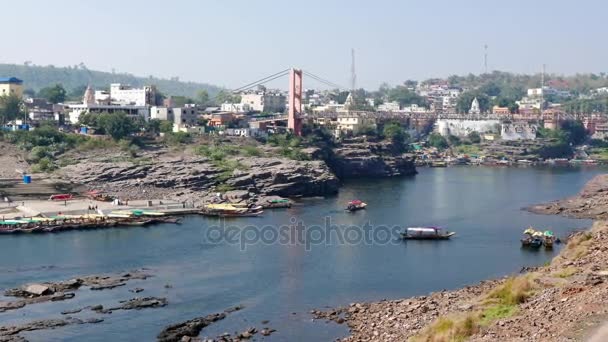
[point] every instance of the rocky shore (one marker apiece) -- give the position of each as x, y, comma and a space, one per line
566, 300
590, 203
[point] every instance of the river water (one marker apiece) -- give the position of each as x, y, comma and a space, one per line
285, 274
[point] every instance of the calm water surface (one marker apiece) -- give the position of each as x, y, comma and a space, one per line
282, 282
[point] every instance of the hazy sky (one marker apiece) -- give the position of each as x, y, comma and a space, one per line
233, 42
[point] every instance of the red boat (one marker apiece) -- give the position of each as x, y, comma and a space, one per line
355, 205
61, 197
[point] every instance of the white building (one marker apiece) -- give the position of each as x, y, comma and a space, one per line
126, 95
353, 122
462, 128
75, 110
475, 107
389, 107
187, 115
235, 107
264, 102
414, 108
518, 131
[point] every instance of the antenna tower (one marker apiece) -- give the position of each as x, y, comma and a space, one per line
353, 74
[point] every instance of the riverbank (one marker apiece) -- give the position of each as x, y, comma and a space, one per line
563, 301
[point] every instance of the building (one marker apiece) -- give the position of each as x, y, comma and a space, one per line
389, 107
500, 110
74, 111
475, 107
354, 122
244, 132
126, 95
161, 113
221, 119
11, 85
462, 127
264, 102
518, 131
236, 107
186, 116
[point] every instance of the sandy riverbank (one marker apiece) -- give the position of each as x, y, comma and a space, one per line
566, 300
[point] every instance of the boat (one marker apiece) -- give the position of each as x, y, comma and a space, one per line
355, 205
229, 210
439, 164
61, 197
548, 239
532, 238
278, 203
426, 233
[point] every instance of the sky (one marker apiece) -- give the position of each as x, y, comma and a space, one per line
231, 43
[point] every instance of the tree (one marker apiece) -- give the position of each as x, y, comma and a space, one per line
203, 97
396, 134
463, 105
11, 107
77, 93
438, 141
405, 97
153, 126
55, 94
165, 127
225, 96
474, 137
575, 131
118, 125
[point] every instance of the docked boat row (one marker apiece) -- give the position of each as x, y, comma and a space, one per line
231, 210
79, 222
536, 239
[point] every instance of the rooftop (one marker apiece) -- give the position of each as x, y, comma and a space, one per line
10, 80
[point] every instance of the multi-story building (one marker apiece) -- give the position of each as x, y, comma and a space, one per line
11, 85
389, 107
187, 115
124, 94
354, 122
264, 102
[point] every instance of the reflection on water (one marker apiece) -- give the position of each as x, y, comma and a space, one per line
275, 280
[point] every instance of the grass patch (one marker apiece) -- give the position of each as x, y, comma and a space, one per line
567, 272
496, 312
455, 329
468, 149
224, 188
513, 291
578, 246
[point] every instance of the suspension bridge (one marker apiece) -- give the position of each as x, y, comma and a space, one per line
294, 112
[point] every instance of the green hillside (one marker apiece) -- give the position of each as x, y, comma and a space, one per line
37, 77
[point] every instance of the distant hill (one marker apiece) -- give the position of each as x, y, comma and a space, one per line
37, 77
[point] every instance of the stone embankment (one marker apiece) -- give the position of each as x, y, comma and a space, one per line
566, 300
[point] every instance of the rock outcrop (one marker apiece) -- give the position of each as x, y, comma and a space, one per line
359, 157
183, 175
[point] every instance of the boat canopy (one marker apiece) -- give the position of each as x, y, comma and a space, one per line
548, 233
423, 230
529, 231
355, 202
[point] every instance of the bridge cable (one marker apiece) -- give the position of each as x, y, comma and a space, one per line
260, 81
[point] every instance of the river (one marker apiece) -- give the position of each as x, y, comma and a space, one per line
280, 280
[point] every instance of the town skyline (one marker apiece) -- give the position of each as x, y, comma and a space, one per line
410, 41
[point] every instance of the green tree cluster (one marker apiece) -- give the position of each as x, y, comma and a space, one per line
438, 141
55, 94
11, 108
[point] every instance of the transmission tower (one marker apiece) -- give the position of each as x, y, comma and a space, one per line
353, 74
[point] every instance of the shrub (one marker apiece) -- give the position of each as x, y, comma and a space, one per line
512, 292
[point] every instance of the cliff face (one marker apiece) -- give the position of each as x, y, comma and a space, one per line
359, 157
197, 176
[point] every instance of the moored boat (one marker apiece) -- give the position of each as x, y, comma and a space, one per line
355, 205
229, 210
426, 233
